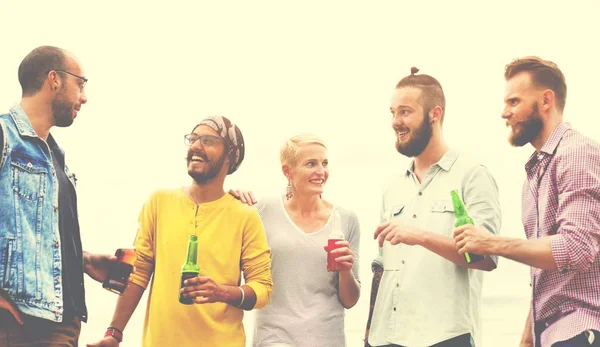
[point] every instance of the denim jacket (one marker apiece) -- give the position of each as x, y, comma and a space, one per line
30, 249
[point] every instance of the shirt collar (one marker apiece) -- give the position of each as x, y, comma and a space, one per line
26, 129
554, 139
22, 121
445, 163
550, 146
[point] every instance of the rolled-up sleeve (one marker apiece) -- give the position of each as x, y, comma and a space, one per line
144, 245
482, 201
576, 245
256, 260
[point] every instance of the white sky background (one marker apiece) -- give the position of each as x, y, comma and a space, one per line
277, 68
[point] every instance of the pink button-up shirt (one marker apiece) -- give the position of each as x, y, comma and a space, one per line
561, 200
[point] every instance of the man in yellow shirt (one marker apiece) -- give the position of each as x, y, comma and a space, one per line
231, 240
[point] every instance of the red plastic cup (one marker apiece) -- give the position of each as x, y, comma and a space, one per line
332, 265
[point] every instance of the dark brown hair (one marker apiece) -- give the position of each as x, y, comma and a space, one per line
432, 94
543, 73
36, 65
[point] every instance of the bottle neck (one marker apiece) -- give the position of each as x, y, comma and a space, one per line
192, 252
459, 206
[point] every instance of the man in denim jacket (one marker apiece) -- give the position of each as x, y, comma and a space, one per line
42, 300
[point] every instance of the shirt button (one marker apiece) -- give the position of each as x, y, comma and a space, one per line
394, 309
403, 262
420, 193
397, 285
414, 216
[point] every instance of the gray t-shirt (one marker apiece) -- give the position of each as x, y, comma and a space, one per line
304, 309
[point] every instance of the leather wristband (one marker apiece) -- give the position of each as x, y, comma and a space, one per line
114, 332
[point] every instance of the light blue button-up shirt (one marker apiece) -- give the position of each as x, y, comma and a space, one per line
423, 298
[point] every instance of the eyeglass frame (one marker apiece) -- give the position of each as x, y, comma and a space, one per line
200, 137
85, 80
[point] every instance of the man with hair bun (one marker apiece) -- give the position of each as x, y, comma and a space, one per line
424, 293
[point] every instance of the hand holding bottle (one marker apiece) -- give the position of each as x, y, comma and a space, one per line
462, 219
203, 290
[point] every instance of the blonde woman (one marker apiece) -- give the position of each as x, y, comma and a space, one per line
307, 303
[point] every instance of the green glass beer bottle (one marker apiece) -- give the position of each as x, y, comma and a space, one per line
462, 218
190, 268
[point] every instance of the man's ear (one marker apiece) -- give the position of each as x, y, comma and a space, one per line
435, 114
548, 99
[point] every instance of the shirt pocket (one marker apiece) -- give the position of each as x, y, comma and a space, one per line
442, 206
392, 213
442, 217
29, 184
392, 254
28, 178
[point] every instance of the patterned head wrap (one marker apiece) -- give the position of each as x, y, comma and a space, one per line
231, 134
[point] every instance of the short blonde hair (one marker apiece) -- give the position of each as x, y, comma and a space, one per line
289, 151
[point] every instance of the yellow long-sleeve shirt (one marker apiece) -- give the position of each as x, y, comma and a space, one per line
230, 237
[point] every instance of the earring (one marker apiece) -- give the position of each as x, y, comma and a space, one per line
288, 190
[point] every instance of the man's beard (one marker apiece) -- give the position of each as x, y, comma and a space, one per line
205, 177
419, 140
529, 129
62, 111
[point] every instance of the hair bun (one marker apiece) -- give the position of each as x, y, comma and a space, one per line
413, 70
